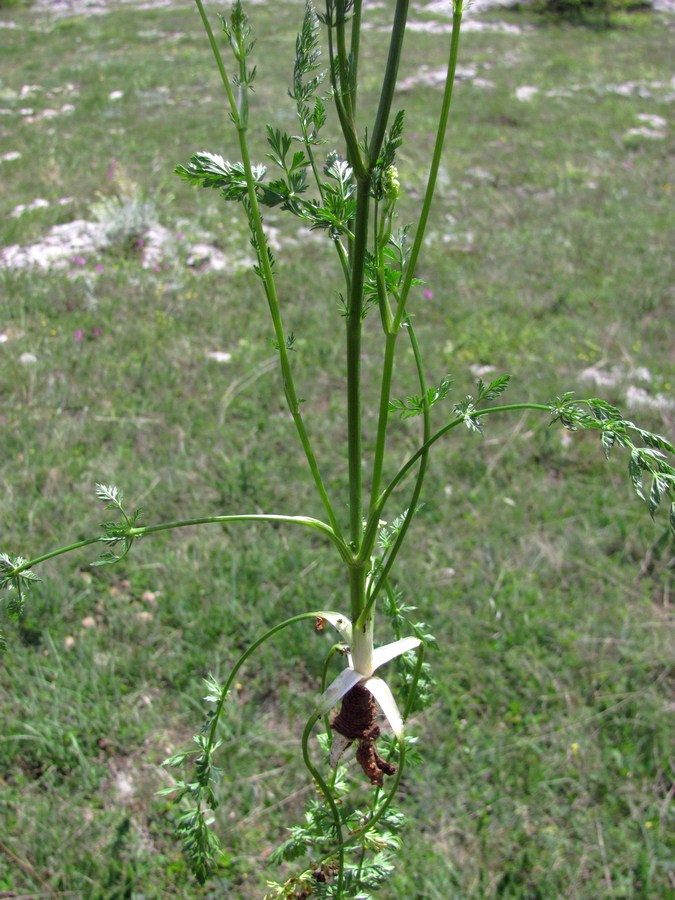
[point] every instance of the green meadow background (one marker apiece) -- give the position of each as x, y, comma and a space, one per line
546, 758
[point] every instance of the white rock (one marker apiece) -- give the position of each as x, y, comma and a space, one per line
526, 92
638, 398
602, 377
208, 257
38, 203
652, 120
645, 133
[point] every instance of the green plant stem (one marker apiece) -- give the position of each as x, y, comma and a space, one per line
307, 521
344, 263
478, 414
273, 304
140, 531
355, 48
415, 679
383, 415
421, 472
346, 123
312, 162
52, 553
325, 790
269, 281
354, 329
219, 60
280, 626
336, 648
386, 803
357, 591
305, 737
389, 81
435, 165
346, 83
374, 517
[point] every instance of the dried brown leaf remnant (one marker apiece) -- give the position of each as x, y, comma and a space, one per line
356, 722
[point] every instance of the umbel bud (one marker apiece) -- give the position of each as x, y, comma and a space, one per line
391, 185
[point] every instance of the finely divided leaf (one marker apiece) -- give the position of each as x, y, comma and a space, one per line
494, 389
608, 438
415, 405
635, 471
110, 495
655, 494
214, 690
466, 410
211, 170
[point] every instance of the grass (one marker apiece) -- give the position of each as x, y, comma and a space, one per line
545, 760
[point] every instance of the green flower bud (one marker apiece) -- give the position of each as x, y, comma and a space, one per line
391, 185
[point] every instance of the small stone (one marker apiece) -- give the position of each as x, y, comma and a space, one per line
526, 92
652, 120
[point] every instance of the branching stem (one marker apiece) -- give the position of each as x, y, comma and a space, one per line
268, 278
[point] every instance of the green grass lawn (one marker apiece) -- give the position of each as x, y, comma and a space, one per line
546, 757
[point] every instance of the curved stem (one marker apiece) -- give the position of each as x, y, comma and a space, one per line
373, 519
308, 522
330, 800
416, 677
314, 614
52, 553
336, 648
305, 737
388, 800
